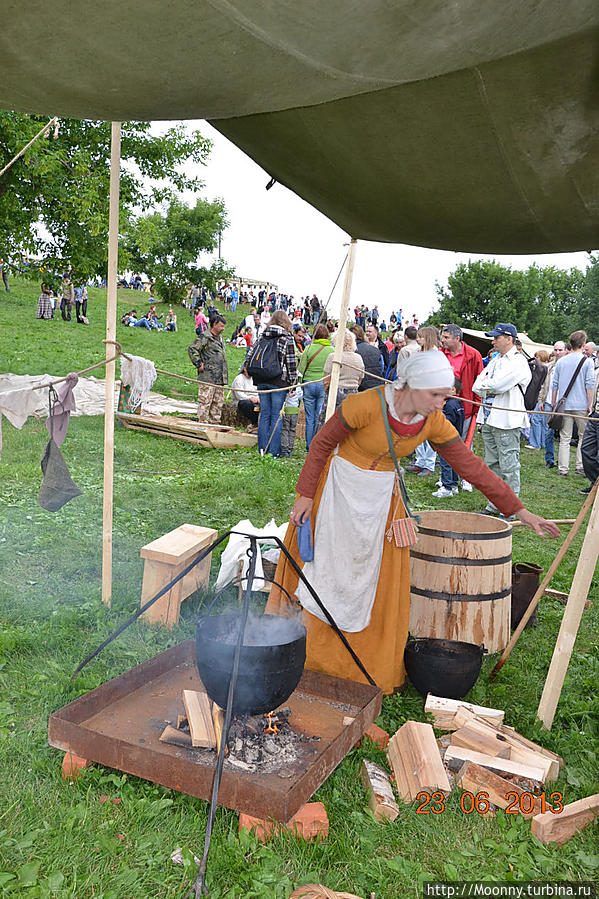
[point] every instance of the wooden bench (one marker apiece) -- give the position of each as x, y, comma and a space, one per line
165, 558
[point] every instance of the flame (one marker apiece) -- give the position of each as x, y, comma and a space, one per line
271, 728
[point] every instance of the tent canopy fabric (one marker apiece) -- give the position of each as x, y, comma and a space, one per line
471, 125
482, 343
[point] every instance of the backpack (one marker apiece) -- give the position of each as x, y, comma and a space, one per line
264, 364
539, 373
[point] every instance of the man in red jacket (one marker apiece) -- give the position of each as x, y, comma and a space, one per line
467, 364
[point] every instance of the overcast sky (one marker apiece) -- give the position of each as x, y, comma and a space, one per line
274, 235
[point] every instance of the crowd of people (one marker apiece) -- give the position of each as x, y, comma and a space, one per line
288, 364
69, 295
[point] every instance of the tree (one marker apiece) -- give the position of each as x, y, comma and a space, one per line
54, 199
546, 303
168, 247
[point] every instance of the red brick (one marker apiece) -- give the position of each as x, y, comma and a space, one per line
309, 823
378, 736
73, 765
262, 828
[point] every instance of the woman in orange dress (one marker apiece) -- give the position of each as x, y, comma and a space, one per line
347, 488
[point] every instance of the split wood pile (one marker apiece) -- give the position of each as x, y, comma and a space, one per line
187, 429
201, 726
486, 758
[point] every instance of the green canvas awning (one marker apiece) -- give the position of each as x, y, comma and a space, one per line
469, 125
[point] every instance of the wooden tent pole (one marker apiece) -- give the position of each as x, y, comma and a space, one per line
113, 254
564, 645
545, 582
334, 384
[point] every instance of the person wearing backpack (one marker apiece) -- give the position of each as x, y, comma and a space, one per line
311, 368
271, 364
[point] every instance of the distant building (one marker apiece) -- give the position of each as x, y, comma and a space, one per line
244, 285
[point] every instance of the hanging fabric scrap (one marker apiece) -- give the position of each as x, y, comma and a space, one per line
57, 486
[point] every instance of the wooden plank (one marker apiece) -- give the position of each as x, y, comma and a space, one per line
218, 719
566, 638
380, 793
443, 710
199, 717
514, 748
407, 787
457, 755
542, 750
416, 761
481, 740
176, 737
179, 545
477, 779
558, 828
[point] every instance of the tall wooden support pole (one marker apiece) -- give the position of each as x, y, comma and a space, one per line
579, 590
349, 272
113, 253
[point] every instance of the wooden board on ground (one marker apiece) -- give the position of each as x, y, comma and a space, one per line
416, 761
455, 756
202, 433
520, 749
380, 792
481, 740
476, 779
444, 710
558, 828
199, 718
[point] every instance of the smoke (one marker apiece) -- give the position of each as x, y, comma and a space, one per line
260, 630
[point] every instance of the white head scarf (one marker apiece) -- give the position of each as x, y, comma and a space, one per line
425, 371
428, 370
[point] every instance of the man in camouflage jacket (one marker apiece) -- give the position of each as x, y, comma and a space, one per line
207, 353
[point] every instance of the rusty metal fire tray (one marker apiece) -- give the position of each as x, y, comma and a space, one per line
119, 724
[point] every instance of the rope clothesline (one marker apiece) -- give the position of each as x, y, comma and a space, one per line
291, 387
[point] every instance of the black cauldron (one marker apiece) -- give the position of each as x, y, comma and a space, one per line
270, 665
443, 667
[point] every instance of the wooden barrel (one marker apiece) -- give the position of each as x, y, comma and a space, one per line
461, 579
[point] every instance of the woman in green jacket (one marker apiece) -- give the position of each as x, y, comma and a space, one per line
311, 368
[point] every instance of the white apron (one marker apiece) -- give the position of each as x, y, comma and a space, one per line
348, 544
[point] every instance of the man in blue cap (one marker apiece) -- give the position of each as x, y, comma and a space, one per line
501, 385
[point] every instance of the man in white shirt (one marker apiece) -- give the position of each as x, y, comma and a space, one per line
501, 385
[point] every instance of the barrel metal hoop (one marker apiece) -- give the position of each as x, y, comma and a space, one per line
456, 560
461, 597
463, 535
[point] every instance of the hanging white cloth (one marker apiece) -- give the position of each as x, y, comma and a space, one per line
237, 548
18, 405
349, 537
139, 374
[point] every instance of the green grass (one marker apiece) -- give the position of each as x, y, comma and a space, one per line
58, 839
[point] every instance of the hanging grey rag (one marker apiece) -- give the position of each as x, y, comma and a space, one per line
57, 487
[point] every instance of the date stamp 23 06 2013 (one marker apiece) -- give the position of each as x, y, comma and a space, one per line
479, 803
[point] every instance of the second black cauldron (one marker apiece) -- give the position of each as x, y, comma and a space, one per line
443, 667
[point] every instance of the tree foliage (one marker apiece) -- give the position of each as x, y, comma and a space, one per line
546, 302
54, 199
168, 247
